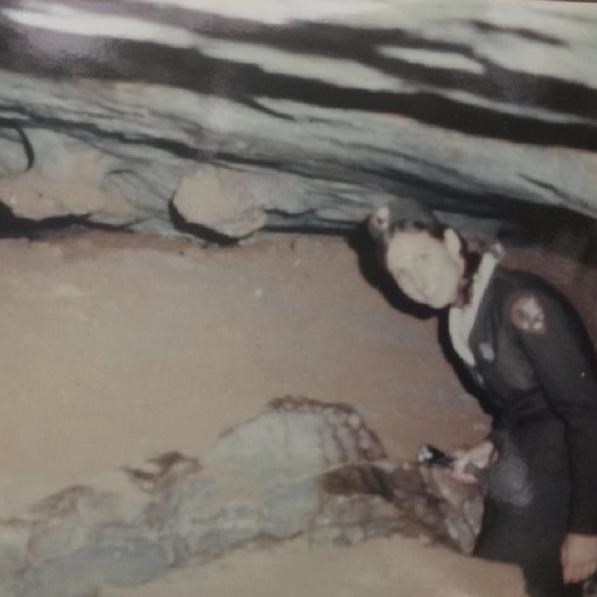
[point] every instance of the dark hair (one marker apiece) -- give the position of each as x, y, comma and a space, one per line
384, 230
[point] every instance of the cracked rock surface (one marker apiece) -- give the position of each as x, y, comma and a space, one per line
300, 467
218, 120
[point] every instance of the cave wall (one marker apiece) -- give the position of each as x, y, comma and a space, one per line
222, 119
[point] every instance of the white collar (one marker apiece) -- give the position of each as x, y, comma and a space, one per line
462, 319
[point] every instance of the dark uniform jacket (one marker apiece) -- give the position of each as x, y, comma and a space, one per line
535, 363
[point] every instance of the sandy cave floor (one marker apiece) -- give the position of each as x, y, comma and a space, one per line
115, 348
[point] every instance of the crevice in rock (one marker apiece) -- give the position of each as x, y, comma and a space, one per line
12, 226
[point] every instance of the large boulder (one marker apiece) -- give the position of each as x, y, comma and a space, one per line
301, 467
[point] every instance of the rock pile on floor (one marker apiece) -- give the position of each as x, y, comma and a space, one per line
301, 467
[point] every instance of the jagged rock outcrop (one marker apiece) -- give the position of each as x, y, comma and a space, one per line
300, 468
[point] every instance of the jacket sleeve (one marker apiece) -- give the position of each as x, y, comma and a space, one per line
558, 347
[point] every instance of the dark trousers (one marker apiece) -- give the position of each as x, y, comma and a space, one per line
511, 536
527, 506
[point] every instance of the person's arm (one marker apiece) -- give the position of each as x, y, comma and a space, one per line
556, 344
558, 348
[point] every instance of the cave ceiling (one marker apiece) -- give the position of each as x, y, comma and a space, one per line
220, 120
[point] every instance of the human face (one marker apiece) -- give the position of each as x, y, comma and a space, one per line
428, 270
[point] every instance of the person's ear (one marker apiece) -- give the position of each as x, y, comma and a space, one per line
453, 243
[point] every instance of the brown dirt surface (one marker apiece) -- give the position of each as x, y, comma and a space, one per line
116, 348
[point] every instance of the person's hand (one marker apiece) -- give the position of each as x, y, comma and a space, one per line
579, 557
478, 457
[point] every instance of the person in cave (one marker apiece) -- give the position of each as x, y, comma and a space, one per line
536, 373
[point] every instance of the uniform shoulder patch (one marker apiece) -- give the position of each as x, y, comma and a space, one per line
527, 314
